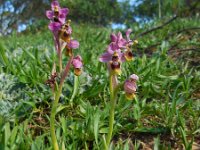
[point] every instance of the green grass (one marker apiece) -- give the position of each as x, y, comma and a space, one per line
166, 110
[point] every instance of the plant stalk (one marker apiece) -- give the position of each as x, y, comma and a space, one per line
52, 119
159, 9
55, 104
112, 111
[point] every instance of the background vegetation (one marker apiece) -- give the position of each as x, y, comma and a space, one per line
166, 112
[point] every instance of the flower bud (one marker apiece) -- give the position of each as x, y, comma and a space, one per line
130, 86
77, 64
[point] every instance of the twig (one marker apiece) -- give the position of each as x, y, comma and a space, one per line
173, 46
182, 30
186, 49
152, 46
156, 28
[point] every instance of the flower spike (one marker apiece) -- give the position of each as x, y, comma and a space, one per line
117, 52
62, 40
57, 14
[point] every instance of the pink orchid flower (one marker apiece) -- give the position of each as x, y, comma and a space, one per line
114, 59
77, 64
117, 41
108, 56
128, 41
73, 44
57, 14
66, 31
128, 55
130, 86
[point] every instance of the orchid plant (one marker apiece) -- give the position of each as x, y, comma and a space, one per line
64, 43
118, 51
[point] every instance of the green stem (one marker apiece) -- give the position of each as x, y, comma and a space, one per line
159, 8
113, 96
52, 119
57, 94
111, 86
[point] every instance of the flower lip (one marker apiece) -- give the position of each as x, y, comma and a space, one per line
65, 33
115, 65
67, 28
55, 19
77, 71
115, 58
128, 55
130, 96
68, 51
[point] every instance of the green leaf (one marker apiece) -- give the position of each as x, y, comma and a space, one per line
29, 54
156, 143
75, 90
174, 77
7, 133
152, 130
60, 108
13, 135
96, 125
